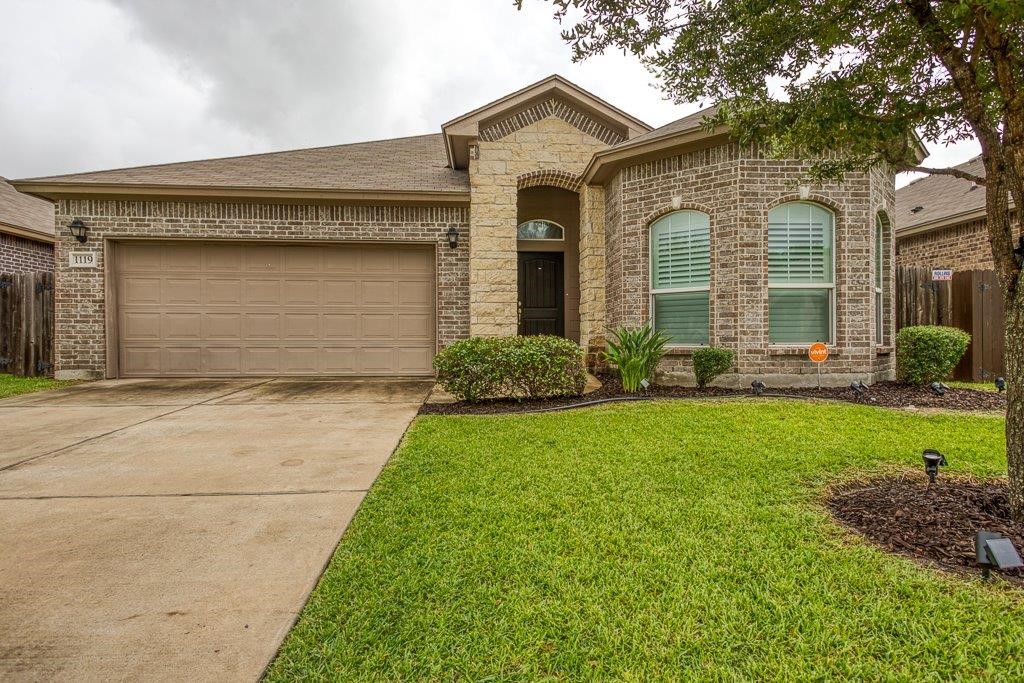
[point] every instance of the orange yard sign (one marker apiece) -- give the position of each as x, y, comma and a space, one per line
818, 352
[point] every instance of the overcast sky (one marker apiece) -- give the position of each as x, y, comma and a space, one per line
95, 84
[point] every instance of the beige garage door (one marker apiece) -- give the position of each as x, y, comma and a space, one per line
197, 309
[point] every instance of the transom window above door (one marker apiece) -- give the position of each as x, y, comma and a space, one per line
540, 230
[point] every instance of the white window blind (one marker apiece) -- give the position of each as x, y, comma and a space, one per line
681, 276
801, 274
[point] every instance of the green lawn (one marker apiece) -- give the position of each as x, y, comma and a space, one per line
664, 540
12, 386
980, 386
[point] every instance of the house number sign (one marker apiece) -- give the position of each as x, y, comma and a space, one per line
82, 259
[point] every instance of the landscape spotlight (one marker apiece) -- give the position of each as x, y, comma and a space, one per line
758, 387
938, 388
644, 384
994, 550
1000, 384
859, 388
932, 461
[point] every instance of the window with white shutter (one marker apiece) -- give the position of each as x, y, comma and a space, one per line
801, 273
681, 276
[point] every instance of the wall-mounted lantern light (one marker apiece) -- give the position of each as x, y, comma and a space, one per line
453, 237
79, 230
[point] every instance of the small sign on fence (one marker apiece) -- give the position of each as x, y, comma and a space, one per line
82, 259
942, 275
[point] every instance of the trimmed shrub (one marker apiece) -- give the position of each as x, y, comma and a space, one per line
709, 362
636, 353
928, 353
511, 367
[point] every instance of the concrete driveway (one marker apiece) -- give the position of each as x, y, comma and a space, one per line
172, 529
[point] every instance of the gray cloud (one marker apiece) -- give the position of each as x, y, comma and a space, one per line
92, 84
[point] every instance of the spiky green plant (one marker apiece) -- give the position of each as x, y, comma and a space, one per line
636, 353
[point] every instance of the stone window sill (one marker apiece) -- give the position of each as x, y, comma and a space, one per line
883, 350
681, 350
798, 351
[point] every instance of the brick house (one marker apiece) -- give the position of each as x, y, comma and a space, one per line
26, 231
940, 222
535, 213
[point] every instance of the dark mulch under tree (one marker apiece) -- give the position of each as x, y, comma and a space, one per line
933, 524
887, 394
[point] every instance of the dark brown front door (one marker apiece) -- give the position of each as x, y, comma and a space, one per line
541, 293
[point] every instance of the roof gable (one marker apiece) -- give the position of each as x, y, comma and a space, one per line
553, 96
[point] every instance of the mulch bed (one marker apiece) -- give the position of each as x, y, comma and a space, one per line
887, 394
932, 524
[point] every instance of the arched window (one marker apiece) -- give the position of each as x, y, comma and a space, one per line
879, 280
540, 230
681, 276
801, 273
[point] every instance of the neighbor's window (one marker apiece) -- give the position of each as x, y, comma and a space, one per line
879, 270
681, 276
801, 273
540, 230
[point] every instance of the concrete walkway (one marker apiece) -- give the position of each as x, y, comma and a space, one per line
173, 529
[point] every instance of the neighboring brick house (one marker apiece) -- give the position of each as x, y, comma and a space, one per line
532, 214
26, 231
940, 222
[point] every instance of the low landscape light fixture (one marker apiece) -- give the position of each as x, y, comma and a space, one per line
79, 230
995, 550
859, 388
932, 461
1000, 384
644, 384
453, 237
758, 387
938, 388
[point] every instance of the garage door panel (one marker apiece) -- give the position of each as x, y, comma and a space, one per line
377, 326
140, 290
182, 291
139, 326
413, 360
221, 292
341, 293
261, 361
224, 360
301, 326
182, 360
246, 309
181, 326
224, 258
222, 326
261, 326
377, 293
262, 292
301, 292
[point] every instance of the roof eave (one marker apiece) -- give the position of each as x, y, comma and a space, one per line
606, 162
27, 233
57, 190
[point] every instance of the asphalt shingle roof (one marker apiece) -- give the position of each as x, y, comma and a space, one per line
690, 122
412, 164
939, 196
23, 211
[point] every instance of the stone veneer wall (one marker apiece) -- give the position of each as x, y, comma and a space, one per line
80, 338
737, 187
964, 246
21, 255
546, 144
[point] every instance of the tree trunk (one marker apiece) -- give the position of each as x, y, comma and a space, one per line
1014, 304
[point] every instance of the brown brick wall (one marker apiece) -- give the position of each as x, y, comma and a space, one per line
737, 187
80, 347
964, 246
20, 255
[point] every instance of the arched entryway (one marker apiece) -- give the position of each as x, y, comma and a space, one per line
548, 235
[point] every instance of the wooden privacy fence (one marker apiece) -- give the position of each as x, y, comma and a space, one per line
26, 323
972, 302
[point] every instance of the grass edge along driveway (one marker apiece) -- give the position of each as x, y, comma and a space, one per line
12, 385
663, 540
